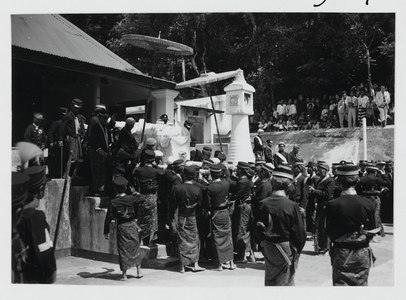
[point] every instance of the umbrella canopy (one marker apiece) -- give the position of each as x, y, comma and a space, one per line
208, 78
157, 44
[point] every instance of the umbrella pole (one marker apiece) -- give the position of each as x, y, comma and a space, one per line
149, 95
215, 120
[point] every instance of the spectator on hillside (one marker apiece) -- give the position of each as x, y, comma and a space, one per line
332, 109
324, 112
281, 110
351, 104
294, 110
370, 108
317, 108
309, 108
362, 103
382, 99
341, 109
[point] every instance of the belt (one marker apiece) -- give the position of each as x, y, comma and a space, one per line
350, 246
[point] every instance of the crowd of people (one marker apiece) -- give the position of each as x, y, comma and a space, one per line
344, 109
208, 209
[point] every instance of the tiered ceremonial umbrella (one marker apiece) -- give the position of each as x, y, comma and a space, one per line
206, 79
155, 45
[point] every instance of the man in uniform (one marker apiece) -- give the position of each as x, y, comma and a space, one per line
362, 167
322, 192
281, 231
206, 153
348, 219
187, 197
34, 133
40, 264
280, 157
293, 156
70, 133
123, 209
242, 217
268, 151
188, 125
164, 118
311, 180
219, 218
259, 145
301, 194
146, 178
195, 154
55, 149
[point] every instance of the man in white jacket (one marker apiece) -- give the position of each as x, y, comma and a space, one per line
382, 99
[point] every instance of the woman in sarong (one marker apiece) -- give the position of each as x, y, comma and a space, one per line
123, 210
281, 231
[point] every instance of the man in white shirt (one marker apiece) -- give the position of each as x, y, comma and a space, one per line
382, 99
341, 109
281, 109
362, 104
350, 103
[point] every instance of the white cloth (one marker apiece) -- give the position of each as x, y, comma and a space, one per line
280, 109
292, 109
362, 101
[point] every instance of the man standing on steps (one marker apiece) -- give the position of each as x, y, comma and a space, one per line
259, 145
293, 156
280, 157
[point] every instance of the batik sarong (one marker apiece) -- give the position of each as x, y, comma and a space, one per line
128, 245
188, 240
148, 217
221, 233
242, 235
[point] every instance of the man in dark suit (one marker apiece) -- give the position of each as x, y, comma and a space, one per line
301, 194
195, 154
268, 151
259, 145
99, 151
280, 157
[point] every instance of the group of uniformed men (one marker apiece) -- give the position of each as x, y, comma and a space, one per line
214, 210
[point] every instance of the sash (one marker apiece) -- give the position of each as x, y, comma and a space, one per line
281, 157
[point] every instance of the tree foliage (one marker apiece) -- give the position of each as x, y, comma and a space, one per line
282, 54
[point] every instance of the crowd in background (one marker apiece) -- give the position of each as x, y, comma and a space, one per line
344, 109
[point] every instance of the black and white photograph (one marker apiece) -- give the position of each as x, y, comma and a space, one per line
234, 148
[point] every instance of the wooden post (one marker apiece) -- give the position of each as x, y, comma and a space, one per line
364, 137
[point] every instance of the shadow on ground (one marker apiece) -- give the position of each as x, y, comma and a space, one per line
103, 275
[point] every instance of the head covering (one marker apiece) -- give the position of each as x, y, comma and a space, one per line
243, 165
260, 131
178, 163
77, 103
63, 110
207, 161
101, 110
268, 167
347, 170
285, 172
363, 162
38, 116
188, 124
381, 162
324, 166
36, 175
164, 117
149, 154
221, 156
372, 168
215, 168
215, 160
335, 165
321, 162
251, 164
189, 171
298, 163
158, 153
192, 143
206, 148
120, 181
281, 144
130, 121
296, 147
269, 141
19, 185
150, 141
251, 172
311, 164
260, 162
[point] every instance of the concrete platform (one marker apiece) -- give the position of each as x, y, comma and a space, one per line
313, 271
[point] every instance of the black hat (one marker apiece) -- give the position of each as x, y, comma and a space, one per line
269, 141
381, 162
77, 103
188, 124
251, 172
260, 162
37, 177
311, 164
192, 143
120, 181
372, 168
296, 147
323, 165
63, 110
189, 171
284, 172
178, 163
221, 156
19, 183
363, 162
347, 170
206, 148
251, 164
164, 117
222, 167
215, 168
149, 154
243, 165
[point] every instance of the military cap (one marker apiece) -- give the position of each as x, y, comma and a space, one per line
190, 171
296, 147
372, 168
150, 141
38, 116
19, 183
363, 162
251, 172
335, 165
381, 162
260, 131
268, 167
207, 161
324, 166
178, 163
120, 181
221, 156
206, 148
281, 144
222, 167
130, 121
63, 110
347, 170
77, 103
158, 153
243, 165
283, 172
311, 164
215, 168
36, 175
269, 141
260, 162
164, 117
298, 163
149, 154
321, 162
188, 124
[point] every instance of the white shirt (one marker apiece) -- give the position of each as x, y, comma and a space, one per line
292, 109
280, 109
362, 101
380, 97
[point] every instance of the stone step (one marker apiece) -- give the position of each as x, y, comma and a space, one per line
160, 263
157, 251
